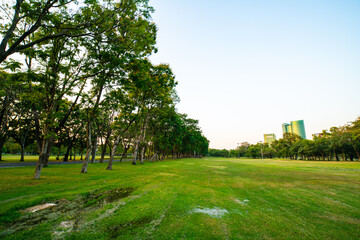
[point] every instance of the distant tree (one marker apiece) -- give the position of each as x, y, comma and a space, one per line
11, 87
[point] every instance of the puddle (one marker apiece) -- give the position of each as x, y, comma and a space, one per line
116, 194
71, 212
243, 202
39, 207
212, 212
109, 196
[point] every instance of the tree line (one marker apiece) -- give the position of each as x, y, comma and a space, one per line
81, 78
336, 144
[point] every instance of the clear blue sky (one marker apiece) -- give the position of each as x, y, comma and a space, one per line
246, 67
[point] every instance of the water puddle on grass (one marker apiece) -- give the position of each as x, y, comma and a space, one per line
243, 202
212, 212
70, 212
39, 207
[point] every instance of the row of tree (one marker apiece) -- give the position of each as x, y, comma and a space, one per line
338, 143
87, 81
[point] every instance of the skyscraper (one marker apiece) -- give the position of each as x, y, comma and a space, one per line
269, 138
295, 127
286, 128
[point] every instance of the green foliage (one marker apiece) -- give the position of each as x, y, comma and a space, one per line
218, 153
89, 82
340, 143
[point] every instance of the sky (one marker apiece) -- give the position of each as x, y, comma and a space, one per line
246, 67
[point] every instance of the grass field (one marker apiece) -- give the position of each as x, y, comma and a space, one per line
208, 198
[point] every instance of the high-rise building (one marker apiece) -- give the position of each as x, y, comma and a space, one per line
295, 127
269, 138
286, 128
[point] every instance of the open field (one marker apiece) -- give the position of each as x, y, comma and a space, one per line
185, 199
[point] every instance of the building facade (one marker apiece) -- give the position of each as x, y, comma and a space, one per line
295, 127
269, 138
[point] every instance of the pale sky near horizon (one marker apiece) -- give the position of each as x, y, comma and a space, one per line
246, 67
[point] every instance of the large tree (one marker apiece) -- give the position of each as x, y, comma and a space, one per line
28, 23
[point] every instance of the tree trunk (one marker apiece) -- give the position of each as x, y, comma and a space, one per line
357, 152
136, 151
2, 142
103, 150
143, 140
153, 157
48, 152
93, 149
58, 154
142, 155
86, 161
125, 152
43, 157
109, 167
22, 152
66, 157
88, 150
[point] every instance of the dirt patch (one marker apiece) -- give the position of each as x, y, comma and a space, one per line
63, 228
117, 230
167, 174
100, 197
68, 213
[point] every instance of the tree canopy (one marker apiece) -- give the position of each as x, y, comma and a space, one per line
82, 80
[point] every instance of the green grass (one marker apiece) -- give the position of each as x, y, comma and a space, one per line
269, 199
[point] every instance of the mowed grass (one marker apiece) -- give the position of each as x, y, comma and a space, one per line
174, 199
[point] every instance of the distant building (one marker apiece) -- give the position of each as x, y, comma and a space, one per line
269, 138
295, 127
286, 128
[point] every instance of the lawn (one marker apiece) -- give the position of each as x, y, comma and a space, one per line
210, 198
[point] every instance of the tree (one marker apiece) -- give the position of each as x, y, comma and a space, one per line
128, 35
354, 136
28, 23
60, 79
22, 127
11, 86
